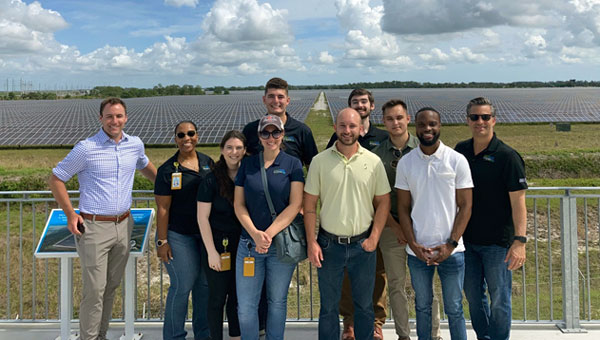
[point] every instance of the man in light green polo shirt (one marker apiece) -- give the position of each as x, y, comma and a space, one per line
352, 185
392, 241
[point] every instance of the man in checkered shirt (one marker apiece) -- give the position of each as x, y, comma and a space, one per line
105, 165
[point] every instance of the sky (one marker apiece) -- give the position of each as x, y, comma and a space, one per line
50, 44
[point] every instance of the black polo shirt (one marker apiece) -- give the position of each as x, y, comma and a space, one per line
369, 141
182, 212
298, 139
496, 171
222, 216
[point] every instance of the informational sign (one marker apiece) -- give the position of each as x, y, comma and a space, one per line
57, 240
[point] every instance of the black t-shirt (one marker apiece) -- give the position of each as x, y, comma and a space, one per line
369, 141
182, 212
496, 171
222, 216
298, 140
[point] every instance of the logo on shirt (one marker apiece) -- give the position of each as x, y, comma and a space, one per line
522, 180
291, 139
205, 167
489, 158
279, 171
374, 143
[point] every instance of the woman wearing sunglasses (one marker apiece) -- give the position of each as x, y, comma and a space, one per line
256, 260
220, 230
178, 241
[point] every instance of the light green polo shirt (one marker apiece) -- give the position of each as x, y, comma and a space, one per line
390, 155
346, 188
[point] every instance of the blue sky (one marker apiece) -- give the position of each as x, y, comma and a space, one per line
67, 43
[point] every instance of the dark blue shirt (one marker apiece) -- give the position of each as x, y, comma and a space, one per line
284, 170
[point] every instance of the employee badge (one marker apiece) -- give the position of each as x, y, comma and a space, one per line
249, 266
176, 178
225, 256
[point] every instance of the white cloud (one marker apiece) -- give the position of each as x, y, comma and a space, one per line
181, 3
325, 58
365, 43
246, 21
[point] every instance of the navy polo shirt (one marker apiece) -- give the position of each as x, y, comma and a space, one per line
284, 170
298, 140
496, 171
182, 212
369, 141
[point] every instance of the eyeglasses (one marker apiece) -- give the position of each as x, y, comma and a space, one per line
275, 133
190, 133
473, 117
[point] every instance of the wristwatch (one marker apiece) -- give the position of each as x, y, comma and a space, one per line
160, 243
521, 239
452, 242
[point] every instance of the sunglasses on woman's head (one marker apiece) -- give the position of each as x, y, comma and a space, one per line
265, 134
190, 133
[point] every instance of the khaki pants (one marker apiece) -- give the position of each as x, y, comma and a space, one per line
379, 296
103, 252
394, 258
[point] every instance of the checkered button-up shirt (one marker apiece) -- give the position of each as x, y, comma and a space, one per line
105, 172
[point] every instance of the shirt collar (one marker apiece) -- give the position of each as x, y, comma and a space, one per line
105, 138
439, 153
412, 143
359, 151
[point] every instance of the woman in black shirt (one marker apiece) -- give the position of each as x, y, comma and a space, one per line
220, 230
178, 242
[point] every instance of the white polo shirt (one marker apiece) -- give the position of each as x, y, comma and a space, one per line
432, 182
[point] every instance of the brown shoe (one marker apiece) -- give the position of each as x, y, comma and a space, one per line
348, 332
377, 333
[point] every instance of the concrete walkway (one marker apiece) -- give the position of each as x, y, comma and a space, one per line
294, 331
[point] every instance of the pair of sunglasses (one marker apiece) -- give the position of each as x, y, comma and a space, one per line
474, 117
190, 133
265, 134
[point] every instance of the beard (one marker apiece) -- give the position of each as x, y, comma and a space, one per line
344, 141
431, 142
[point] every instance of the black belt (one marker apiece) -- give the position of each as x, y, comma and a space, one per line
344, 239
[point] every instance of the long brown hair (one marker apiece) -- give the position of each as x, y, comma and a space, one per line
226, 186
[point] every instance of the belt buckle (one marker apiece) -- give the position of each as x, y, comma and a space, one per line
343, 239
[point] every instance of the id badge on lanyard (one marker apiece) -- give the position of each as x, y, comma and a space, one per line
176, 180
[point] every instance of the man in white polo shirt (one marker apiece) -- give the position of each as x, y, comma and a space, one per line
434, 206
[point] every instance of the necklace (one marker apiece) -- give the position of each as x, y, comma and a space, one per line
189, 163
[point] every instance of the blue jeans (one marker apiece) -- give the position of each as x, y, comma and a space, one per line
451, 273
277, 276
361, 271
186, 275
485, 270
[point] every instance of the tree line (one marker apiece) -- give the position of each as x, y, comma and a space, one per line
191, 90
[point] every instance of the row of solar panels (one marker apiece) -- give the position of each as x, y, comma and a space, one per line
64, 122
512, 105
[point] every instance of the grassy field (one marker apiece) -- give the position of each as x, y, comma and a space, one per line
560, 159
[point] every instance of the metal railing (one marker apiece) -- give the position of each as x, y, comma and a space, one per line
560, 282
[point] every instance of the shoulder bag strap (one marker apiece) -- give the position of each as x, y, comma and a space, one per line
263, 174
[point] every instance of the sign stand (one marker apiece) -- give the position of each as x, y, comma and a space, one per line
66, 299
58, 242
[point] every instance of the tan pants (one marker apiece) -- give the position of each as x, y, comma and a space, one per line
103, 252
379, 296
394, 258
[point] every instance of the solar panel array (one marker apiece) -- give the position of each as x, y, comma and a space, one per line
512, 105
65, 122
